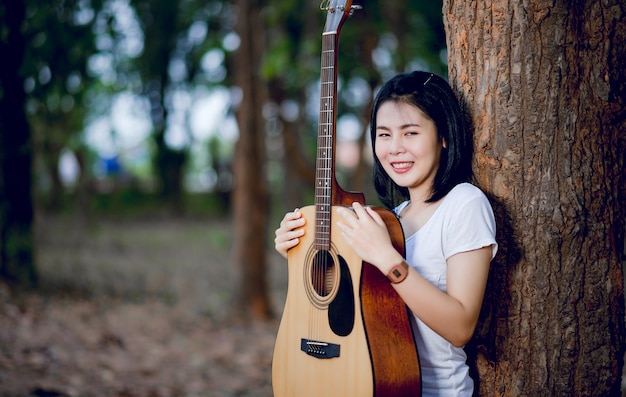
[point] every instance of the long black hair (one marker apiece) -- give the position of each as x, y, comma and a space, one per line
435, 98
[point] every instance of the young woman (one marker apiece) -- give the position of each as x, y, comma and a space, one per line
422, 149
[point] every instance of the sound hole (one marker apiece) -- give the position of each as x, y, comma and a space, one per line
323, 273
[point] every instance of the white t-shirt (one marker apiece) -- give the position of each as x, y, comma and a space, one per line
463, 222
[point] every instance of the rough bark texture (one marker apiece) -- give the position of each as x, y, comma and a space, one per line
544, 84
250, 192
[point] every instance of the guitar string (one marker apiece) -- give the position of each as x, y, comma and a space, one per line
323, 261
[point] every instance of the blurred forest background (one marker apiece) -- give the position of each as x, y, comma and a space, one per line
123, 269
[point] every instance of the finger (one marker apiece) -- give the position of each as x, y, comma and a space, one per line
288, 235
348, 215
295, 224
282, 246
360, 211
365, 215
287, 245
375, 216
343, 227
289, 216
346, 231
295, 214
291, 221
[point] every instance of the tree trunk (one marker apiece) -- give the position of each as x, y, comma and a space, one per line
250, 192
160, 20
16, 203
544, 83
50, 152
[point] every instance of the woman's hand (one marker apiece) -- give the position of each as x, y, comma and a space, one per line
366, 233
289, 233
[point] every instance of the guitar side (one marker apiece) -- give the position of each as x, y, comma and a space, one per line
307, 319
393, 352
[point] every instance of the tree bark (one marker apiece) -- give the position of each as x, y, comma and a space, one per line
17, 262
544, 84
250, 191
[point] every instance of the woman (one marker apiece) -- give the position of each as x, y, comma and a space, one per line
422, 149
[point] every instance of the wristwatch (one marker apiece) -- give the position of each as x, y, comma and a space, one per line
398, 273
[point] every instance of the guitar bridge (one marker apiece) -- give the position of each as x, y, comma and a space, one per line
319, 349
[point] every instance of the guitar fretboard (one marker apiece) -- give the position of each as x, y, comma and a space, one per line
325, 142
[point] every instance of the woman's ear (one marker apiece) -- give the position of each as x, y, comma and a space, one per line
444, 144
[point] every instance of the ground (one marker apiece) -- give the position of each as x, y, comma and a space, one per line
134, 308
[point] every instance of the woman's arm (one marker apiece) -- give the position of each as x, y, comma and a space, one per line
452, 314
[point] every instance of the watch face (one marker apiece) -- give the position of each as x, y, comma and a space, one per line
398, 273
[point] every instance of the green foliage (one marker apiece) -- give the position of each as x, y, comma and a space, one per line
81, 53
60, 42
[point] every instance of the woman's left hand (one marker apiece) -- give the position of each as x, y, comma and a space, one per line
366, 233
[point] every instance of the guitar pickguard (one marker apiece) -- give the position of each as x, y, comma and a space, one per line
341, 310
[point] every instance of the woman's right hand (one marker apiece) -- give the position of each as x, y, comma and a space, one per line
289, 233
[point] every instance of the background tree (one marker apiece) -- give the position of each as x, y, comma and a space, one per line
544, 84
177, 34
160, 21
47, 46
60, 40
250, 193
16, 201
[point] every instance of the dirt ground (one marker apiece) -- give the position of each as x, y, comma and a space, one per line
134, 308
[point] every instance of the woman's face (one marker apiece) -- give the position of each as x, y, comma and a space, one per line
407, 145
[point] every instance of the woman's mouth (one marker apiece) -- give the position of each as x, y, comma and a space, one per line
401, 166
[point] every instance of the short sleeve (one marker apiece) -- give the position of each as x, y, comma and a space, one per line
471, 224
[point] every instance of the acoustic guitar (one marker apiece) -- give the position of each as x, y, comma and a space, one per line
344, 331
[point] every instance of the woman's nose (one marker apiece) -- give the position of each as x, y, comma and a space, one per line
395, 145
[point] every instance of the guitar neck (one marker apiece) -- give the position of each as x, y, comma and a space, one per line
325, 182
327, 190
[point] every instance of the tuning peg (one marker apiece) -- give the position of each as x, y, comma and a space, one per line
354, 8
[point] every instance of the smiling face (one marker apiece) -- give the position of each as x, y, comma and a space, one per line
408, 146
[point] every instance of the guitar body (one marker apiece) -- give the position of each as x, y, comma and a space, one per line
350, 338
296, 369
344, 332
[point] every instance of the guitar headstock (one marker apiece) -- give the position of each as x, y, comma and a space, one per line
338, 11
